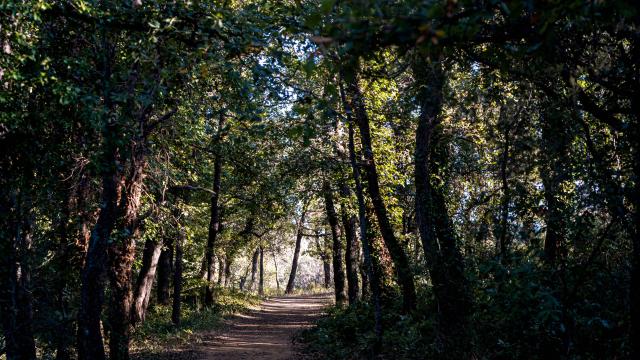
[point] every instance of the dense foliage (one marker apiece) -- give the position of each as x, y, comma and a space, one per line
463, 173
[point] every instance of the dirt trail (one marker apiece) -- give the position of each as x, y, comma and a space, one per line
266, 333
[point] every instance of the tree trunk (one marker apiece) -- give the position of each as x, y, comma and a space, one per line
90, 345
351, 254
15, 274
261, 280
214, 224
227, 271
275, 265
635, 200
555, 141
177, 279
326, 266
338, 271
370, 279
296, 253
254, 268
221, 262
398, 255
122, 251
144, 284
506, 197
164, 273
442, 255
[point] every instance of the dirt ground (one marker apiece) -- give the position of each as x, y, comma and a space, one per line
267, 332
263, 333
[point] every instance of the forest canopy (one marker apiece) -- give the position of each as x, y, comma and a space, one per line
463, 175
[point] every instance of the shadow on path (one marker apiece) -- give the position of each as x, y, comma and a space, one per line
265, 333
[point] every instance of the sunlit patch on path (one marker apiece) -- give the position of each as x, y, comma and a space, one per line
266, 333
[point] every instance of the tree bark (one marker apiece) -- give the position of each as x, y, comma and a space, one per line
506, 196
442, 255
144, 284
254, 268
370, 280
121, 252
338, 271
214, 224
261, 280
164, 273
227, 271
351, 254
177, 279
398, 255
15, 277
221, 262
555, 142
90, 345
296, 252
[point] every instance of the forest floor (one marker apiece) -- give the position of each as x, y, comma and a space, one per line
266, 332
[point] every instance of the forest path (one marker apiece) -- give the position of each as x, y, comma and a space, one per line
266, 333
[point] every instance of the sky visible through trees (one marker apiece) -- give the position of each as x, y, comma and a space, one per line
461, 175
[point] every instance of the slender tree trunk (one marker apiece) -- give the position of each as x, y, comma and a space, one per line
326, 266
227, 271
635, 255
351, 254
164, 272
261, 280
214, 224
398, 255
15, 274
254, 268
442, 255
371, 279
296, 253
506, 196
221, 262
275, 265
243, 279
555, 142
338, 271
177, 279
144, 284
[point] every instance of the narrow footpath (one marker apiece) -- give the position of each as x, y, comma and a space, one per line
266, 333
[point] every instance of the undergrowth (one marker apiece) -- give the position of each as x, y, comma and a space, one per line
519, 314
158, 333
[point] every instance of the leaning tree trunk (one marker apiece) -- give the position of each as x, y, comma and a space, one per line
144, 284
214, 223
398, 255
164, 272
296, 253
338, 271
370, 279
